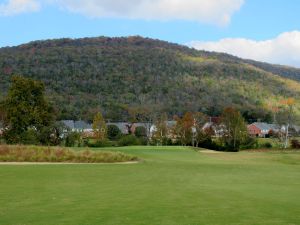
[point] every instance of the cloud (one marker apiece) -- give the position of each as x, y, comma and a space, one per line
284, 49
14, 7
217, 12
205, 11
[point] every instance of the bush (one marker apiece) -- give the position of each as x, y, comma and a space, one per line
250, 143
129, 140
140, 132
212, 145
51, 135
143, 141
295, 144
113, 132
101, 144
72, 139
267, 145
29, 137
165, 141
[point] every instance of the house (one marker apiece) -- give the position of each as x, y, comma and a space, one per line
259, 129
170, 125
69, 125
123, 126
215, 126
295, 130
77, 126
126, 126
82, 126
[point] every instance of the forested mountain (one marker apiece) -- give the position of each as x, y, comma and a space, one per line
83, 75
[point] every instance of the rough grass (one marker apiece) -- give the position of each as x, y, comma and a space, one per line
172, 186
57, 154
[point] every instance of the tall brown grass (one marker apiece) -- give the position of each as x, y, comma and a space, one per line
57, 154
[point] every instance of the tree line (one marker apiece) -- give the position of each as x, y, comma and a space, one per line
29, 118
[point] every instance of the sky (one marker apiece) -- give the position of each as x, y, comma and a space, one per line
263, 30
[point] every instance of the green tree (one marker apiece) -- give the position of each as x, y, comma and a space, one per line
99, 127
26, 109
234, 129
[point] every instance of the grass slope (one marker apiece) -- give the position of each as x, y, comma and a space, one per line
173, 185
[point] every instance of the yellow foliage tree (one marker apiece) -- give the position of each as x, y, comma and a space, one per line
99, 127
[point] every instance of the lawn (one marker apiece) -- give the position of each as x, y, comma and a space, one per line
172, 186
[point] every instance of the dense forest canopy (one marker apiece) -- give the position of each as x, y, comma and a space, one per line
83, 75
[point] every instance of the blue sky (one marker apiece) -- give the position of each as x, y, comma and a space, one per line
264, 30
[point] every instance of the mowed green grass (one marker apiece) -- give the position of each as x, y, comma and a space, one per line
172, 186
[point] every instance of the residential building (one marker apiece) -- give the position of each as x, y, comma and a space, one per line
259, 129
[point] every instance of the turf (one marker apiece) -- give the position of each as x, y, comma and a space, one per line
172, 186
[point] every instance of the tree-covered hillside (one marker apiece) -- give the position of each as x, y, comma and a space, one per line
83, 75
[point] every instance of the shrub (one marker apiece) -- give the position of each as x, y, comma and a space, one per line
165, 141
249, 143
101, 144
129, 140
113, 132
72, 139
210, 144
51, 135
29, 137
140, 132
267, 145
295, 144
143, 140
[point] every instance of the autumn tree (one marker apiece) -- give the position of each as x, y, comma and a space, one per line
99, 127
201, 134
234, 129
183, 128
274, 108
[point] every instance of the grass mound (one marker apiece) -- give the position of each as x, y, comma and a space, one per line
47, 154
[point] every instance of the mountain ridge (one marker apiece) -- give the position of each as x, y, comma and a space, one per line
84, 75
